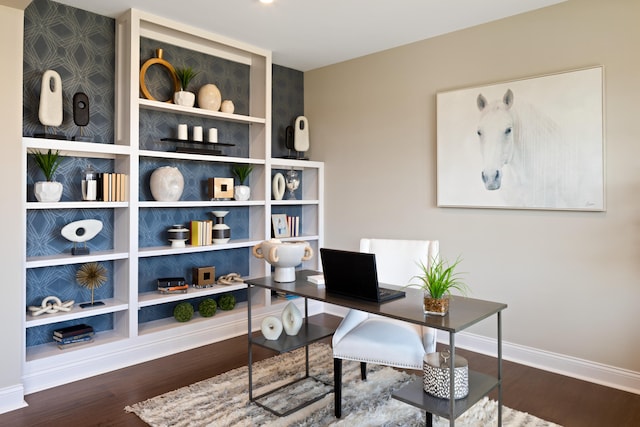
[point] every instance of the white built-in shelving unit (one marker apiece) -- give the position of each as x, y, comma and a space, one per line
129, 341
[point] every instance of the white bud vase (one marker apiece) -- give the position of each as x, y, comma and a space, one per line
227, 106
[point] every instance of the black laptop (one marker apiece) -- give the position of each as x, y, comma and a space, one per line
354, 275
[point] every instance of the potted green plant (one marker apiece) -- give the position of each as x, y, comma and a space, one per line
437, 280
242, 172
49, 190
184, 97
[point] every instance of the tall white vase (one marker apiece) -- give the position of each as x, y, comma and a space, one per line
221, 231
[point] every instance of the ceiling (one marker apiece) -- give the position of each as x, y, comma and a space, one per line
309, 34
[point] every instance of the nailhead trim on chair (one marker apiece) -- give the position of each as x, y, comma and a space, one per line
379, 362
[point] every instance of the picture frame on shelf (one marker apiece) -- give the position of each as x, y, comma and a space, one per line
279, 223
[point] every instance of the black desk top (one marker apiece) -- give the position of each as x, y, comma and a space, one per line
463, 312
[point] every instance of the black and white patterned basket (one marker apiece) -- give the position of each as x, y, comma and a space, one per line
436, 376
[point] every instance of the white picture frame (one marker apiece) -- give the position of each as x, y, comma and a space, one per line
533, 143
279, 226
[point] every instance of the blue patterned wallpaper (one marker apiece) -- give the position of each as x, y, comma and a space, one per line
80, 46
287, 104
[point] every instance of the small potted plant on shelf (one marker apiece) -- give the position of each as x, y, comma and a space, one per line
184, 97
437, 281
49, 190
242, 172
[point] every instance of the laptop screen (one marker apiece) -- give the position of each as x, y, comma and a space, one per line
350, 274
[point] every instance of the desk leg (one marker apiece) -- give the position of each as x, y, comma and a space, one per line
429, 419
249, 342
306, 347
500, 369
452, 379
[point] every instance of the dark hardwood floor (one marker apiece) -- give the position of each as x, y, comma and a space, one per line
100, 401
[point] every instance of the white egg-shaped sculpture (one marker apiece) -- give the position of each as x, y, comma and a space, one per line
209, 97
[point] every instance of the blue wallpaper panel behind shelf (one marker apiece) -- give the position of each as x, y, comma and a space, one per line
80, 46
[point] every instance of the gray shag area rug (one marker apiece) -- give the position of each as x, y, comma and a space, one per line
224, 400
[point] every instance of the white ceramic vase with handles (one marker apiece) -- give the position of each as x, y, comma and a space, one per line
284, 256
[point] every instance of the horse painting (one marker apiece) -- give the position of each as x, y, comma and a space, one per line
525, 157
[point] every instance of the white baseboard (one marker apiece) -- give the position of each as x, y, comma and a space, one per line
12, 398
598, 373
44, 374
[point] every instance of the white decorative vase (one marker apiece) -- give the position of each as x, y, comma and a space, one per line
48, 191
291, 319
221, 231
271, 328
184, 98
166, 184
284, 256
227, 106
178, 235
241, 192
209, 97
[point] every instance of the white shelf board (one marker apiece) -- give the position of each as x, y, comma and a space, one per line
67, 258
199, 157
294, 202
111, 305
75, 148
76, 205
148, 299
239, 313
168, 250
201, 112
50, 349
199, 203
277, 163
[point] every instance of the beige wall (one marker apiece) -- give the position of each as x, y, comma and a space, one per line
13, 308
571, 279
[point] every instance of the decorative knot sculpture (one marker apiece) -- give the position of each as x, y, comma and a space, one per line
51, 305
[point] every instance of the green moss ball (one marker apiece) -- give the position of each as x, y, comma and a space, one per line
183, 312
227, 302
207, 307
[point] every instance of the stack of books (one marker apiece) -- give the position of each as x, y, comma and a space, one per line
201, 232
112, 187
72, 336
293, 224
283, 295
172, 285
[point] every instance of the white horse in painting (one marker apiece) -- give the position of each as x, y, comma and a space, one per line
524, 156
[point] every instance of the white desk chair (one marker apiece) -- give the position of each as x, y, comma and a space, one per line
367, 338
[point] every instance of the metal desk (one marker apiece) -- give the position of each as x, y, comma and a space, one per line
463, 312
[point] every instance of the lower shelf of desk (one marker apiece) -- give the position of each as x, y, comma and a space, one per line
413, 394
309, 333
